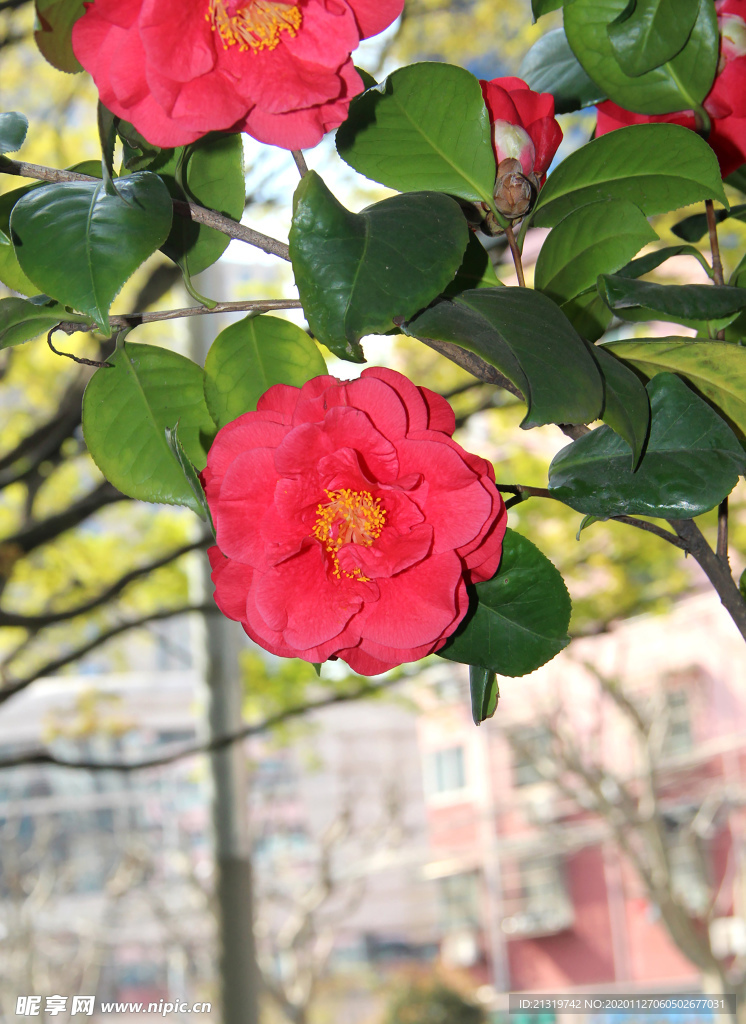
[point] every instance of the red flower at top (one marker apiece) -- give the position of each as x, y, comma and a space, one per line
349, 521
725, 103
277, 69
523, 124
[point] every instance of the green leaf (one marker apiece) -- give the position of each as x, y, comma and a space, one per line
688, 304
588, 313
355, 272
250, 356
485, 693
21, 320
13, 128
551, 66
208, 172
626, 405
691, 229
594, 239
716, 368
79, 244
658, 167
137, 152
679, 84
425, 127
54, 25
539, 7
523, 334
691, 462
518, 620
647, 263
126, 411
737, 179
190, 473
651, 32
476, 270
587, 521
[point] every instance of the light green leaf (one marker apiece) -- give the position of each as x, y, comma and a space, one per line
126, 411
13, 128
658, 167
595, 239
518, 620
79, 244
485, 693
21, 320
250, 356
425, 127
551, 66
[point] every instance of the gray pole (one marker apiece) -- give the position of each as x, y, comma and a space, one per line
239, 977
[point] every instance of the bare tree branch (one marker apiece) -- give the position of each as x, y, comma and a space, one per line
33, 536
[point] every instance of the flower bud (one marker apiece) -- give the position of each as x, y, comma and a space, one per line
515, 192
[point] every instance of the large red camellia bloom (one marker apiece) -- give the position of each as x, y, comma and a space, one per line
523, 124
277, 69
725, 103
349, 521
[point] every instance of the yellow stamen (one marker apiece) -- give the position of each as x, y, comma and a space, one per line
256, 26
349, 517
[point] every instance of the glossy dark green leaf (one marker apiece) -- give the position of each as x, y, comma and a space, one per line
651, 260
636, 300
137, 153
355, 272
594, 239
626, 404
679, 84
518, 620
691, 229
13, 128
485, 693
551, 66
21, 320
539, 7
588, 313
716, 368
250, 356
737, 179
658, 167
126, 411
476, 270
54, 24
79, 244
208, 172
651, 32
526, 336
424, 127
691, 462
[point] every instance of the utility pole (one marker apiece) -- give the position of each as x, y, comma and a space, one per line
239, 973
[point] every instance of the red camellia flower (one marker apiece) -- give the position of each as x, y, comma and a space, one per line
349, 521
725, 103
277, 69
523, 124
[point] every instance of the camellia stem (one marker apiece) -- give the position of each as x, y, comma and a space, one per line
717, 263
516, 254
716, 569
300, 162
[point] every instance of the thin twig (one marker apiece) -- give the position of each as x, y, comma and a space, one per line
516, 254
300, 162
717, 263
722, 541
717, 571
192, 749
135, 319
68, 355
190, 211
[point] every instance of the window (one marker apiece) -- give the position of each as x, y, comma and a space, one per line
458, 901
446, 770
530, 745
678, 738
537, 903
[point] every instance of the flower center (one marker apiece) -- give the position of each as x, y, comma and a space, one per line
349, 517
256, 25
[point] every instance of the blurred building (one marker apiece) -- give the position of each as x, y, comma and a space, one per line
534, 891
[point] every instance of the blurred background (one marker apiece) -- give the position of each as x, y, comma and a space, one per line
406, 866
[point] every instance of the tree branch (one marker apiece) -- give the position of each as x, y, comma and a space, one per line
716, 570
219, 743
36, 622
190, 211
135, 319
40, 533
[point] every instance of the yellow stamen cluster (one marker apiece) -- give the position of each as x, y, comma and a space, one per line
256, 25
349, 517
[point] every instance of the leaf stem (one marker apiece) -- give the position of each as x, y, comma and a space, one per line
516, 254
722, 541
